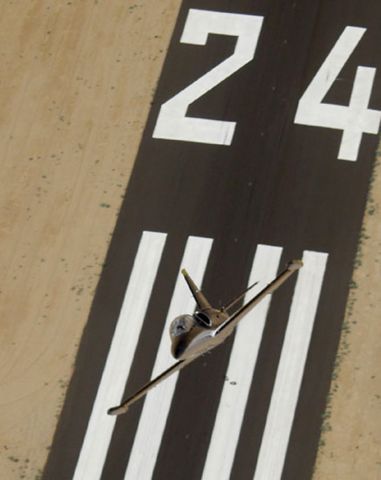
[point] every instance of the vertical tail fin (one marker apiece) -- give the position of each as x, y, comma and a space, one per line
202, 302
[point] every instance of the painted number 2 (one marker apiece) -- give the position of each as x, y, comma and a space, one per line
353, 120
172, 122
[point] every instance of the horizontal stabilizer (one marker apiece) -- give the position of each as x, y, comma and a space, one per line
233, 320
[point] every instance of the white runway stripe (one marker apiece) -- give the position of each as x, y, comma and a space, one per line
158, 402
119, 360
291, 367
241, 367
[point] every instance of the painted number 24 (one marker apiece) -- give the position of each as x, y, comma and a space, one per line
354, 120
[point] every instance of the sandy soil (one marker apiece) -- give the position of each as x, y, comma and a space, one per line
351, 439
76, 79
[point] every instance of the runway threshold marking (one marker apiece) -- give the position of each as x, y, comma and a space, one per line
157, 404
241, 367
242, 363
289, 376
119, 360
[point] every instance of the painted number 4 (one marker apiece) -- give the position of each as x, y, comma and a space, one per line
353, 120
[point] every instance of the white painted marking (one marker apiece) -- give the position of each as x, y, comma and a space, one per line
291, 367
119, 360
172, 122
158, 402
361, 119
241, 367
354, 119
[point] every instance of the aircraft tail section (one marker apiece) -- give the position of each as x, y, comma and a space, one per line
202, 302
237, 299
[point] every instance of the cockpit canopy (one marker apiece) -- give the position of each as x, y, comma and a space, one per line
181, 325
202, 319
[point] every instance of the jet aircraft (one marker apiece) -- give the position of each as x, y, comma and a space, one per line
194, 335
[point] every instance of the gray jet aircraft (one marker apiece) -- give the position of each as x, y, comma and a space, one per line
194, 335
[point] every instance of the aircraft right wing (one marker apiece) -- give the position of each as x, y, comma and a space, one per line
123, 407
233, 320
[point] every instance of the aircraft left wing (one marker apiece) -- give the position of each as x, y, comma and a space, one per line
123, 407
233, 320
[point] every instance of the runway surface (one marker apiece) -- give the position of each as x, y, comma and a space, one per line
266, 158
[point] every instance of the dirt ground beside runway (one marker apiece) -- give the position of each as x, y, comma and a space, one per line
77, 79
351, 440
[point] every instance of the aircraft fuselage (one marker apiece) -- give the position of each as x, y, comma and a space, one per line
195, 334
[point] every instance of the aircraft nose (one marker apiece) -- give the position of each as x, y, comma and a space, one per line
178, 347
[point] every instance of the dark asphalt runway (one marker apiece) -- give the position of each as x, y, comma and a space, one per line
278, 184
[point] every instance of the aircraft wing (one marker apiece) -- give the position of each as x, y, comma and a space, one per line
123, 407
233, 320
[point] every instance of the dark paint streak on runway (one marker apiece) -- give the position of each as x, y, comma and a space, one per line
278, 184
